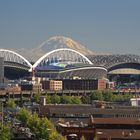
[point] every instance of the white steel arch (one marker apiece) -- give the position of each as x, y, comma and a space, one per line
12, 56
61, 50
84, 68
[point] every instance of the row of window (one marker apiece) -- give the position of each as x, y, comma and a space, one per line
95, 115
128, 115
69, 115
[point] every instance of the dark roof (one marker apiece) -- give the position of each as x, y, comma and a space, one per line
119, 120
125, 134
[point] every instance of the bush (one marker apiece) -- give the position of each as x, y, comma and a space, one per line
96, 95
55, 99
85, 100
76, 100
66, 99
5, 133
11, 103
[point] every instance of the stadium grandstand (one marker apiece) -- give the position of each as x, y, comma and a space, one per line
65, 63
15, 65
121, 68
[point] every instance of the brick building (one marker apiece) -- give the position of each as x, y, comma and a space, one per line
52, 85
84, 84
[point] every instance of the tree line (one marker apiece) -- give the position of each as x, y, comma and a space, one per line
106, 95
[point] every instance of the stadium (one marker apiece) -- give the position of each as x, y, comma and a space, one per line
65, 63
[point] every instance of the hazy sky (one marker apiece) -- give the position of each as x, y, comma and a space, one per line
101, 25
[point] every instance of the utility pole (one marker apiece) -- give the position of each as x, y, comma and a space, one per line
2, 113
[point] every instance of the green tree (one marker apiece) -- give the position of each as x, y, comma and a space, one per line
96, 95
66, 99
36, 98
11, 103
41, 127
76, 100
4, 132
55, 99
122, 97
85, 99
34, 123
48, 99
108, 95
55, 136
127, 96
24, 115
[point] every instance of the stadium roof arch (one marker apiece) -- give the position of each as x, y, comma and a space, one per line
109, 61
125, 68
82, 72
13, 59
65, 55
88, 72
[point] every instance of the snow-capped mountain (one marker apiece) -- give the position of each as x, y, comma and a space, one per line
55, 42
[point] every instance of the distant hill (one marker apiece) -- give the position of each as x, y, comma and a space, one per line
55, 42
